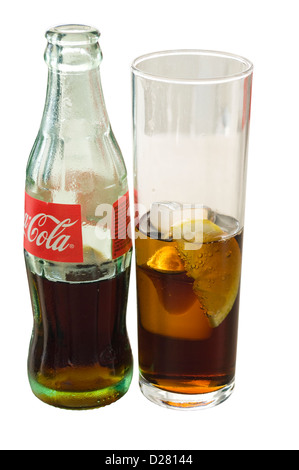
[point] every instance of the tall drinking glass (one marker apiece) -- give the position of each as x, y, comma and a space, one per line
191, 112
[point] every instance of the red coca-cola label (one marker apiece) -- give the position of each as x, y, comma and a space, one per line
53, 231
121, 236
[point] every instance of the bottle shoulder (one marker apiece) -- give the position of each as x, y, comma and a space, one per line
88, 171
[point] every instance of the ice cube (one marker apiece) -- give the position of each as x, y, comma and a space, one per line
163, 215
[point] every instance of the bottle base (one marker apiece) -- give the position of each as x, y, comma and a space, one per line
81, 400
180, 401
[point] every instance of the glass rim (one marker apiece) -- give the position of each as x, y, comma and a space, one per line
248, 66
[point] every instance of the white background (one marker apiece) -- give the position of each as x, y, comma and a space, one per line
263, 412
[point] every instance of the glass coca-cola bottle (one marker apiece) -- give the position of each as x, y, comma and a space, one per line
76, 238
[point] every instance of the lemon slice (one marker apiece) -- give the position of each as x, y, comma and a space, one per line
191, 233
166, 260
215, 266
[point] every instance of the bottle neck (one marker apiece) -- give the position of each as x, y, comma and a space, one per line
75, 103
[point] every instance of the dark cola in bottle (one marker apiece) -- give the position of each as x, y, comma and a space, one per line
76, 235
